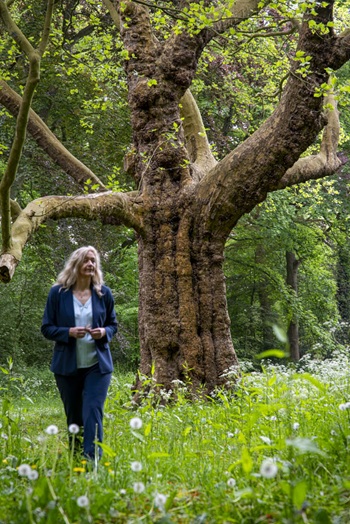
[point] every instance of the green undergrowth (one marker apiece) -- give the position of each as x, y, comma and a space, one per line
276, 450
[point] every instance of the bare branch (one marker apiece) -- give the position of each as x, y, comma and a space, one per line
47, 140
326, 162
46, 29
113, 12
122, 207
195, 135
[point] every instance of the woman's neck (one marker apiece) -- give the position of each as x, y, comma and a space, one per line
82, 284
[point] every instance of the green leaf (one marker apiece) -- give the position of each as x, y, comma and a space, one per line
148, 429
305, 445
280, 333
299, 494
247, 462
278, 353
107, 449
158, 454
138, 436
310, 378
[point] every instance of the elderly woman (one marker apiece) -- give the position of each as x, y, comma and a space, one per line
80, 318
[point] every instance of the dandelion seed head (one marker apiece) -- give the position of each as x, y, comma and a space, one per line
268, 469
74, 429
160, 500
83, 501
136, 423
24, 470
296, 426
33, 474
345, 406
122, 491
231, 483
138, 487
136, 466
51, 430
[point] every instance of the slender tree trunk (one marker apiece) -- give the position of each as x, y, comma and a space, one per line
293, 328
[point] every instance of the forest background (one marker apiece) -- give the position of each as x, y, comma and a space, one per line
287, 261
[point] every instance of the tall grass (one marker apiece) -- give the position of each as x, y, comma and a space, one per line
276, 450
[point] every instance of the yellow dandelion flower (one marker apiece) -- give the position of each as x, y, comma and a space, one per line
79, 470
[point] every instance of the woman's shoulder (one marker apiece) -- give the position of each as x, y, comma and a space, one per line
106, 290
56, 289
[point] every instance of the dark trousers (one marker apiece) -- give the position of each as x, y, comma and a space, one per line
83, 396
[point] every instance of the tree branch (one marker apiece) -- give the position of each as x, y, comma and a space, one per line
245, 176
326, 162
113, 12
195, 136
47, 140
124, 208
22, 117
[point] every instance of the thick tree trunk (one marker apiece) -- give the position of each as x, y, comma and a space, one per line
293, 328
183, 320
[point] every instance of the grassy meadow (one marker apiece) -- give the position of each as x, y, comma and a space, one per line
274, 450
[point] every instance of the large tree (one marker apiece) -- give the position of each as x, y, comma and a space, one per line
185, 201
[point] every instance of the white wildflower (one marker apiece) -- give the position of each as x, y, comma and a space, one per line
122, 491
51, 430
136, 423
160, 500
74, 429
268, 469
24, 470
136, 466
138, 487
83, 501
345, 406
33, 474
231, 483
296, 426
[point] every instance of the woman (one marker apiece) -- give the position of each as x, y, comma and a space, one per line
80, 318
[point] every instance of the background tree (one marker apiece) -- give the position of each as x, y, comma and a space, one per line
185, 203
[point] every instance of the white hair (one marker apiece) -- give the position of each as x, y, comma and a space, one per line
69, 274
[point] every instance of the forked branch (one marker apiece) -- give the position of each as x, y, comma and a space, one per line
34, 57
122, 208
326, 162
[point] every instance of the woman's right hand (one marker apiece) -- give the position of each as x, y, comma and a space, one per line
77, 332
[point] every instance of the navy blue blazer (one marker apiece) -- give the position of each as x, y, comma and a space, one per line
59, 317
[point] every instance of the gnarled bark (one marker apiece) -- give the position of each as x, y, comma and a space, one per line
187, 203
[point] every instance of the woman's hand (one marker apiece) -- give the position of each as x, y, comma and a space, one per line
78, 332
97, 333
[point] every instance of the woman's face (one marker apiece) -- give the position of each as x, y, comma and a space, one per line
88, 266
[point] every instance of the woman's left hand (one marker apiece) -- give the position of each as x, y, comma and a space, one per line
97, 333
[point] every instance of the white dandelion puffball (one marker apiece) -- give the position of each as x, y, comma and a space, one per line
24, 470
83, 501
345, 406
296, 426
33, 474
51, 430
231, 483
136, 466
138, 487
160, 500
268, 469
73, 428
136, 423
